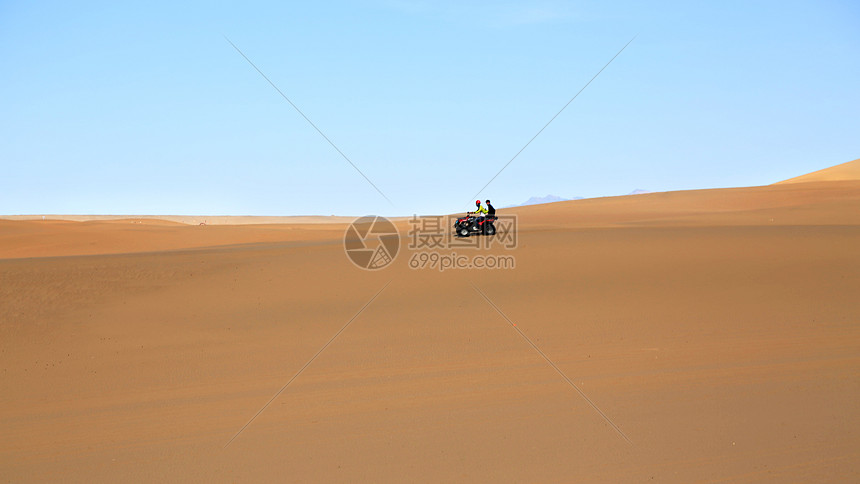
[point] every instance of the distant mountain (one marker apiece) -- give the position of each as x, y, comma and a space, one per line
546, 199
556, 198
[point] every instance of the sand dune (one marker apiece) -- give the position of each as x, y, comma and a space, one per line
845, 171
718, 329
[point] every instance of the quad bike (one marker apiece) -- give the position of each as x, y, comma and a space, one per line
471, 225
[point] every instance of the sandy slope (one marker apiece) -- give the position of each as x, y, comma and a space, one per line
845, 171
717, 329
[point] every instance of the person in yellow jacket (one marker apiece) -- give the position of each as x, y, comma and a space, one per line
479, 211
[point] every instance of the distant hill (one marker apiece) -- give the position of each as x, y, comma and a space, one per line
556, 198
845, 171
546, 199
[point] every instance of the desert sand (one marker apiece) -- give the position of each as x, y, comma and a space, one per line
719, 330
845, 171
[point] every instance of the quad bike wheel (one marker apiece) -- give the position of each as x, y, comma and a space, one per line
489, 229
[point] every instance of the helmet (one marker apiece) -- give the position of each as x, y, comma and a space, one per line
477, 202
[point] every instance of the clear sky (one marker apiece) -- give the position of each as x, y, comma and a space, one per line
145, 108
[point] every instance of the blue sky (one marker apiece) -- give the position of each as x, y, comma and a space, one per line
145, 108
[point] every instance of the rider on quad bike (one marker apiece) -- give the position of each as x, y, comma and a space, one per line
479, 210
491, 212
